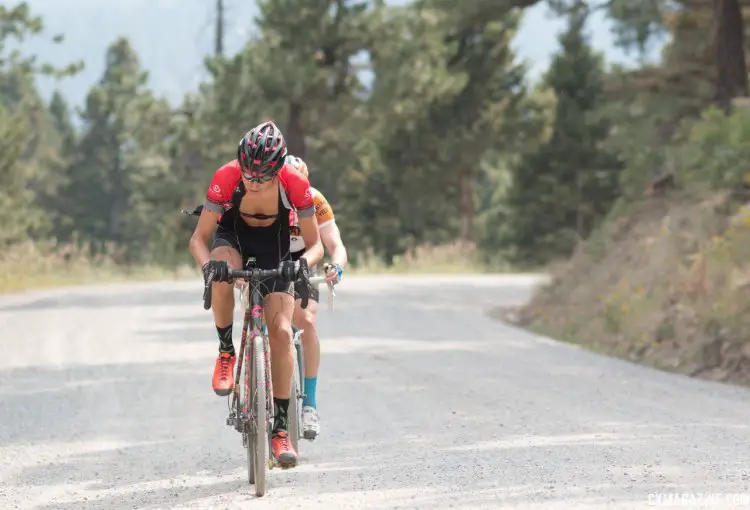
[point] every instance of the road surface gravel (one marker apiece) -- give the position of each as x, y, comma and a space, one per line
425, 402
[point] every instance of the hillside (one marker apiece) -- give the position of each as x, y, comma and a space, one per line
665, 280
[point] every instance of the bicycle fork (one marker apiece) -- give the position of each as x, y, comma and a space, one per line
238, 419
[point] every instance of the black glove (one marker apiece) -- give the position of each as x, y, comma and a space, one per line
302, 282
215, 271
288, 270
303, 272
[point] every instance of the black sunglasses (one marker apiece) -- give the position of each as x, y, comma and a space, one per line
260, 179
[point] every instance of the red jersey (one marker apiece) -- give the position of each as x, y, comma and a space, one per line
296, 193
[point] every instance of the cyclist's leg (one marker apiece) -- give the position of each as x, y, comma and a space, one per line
306, 320
279, 307
222, 304
278, 315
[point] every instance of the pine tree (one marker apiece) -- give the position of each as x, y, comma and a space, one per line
121, 179
562, 189
447, 93
27, 132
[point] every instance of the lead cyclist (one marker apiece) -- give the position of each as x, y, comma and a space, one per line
305, 319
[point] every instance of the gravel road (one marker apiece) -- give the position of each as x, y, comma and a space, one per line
425, 401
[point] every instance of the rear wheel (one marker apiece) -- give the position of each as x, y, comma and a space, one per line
294, 413
300, 351
258, 445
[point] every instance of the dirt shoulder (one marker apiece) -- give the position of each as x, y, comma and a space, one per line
665, 282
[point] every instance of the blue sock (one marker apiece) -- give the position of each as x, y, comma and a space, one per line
311, 384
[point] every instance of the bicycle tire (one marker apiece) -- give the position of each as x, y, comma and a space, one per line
260, 425
294, 412
246, 412
300, 351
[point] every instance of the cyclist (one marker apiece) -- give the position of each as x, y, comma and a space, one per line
254, 197
305, 319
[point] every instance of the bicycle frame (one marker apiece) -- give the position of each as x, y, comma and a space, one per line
252, 326
241, 411
297, 335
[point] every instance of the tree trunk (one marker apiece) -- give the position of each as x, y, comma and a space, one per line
118, 197
219, 35
467, 204
731, 79
580, 205
295, 136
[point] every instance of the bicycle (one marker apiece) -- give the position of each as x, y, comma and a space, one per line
299, 383
251, 407
253, 421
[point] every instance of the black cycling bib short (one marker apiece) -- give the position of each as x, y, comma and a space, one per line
268, 245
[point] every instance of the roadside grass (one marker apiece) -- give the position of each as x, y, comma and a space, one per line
42, 265
455, 258
38, 265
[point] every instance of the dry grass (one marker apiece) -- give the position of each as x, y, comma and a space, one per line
38, 265
456, 258
666, 284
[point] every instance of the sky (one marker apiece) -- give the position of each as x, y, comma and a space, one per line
171, 37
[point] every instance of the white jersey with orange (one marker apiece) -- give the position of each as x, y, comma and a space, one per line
324, 215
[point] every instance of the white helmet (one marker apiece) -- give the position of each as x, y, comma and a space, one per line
298, 164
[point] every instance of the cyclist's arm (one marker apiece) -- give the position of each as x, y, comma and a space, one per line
329, 231
311, 235
331, 237
202, 236
301, 198
219, 192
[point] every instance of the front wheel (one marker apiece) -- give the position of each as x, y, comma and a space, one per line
247, 413
257, 455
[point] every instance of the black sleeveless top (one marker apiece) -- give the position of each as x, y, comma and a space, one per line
269, 245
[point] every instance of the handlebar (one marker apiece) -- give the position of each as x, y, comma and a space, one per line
249, 274
254, 274
315, 280
257, 274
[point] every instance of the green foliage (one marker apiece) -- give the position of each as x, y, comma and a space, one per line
561, 189
121, 165
416, 121
663, 279
29, 137
717, 150
14, 184
637, 22
455, 93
